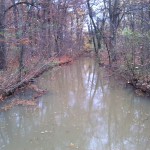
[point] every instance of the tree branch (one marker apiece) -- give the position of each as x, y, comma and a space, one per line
19, 3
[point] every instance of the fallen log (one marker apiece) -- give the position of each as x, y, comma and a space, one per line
7, 91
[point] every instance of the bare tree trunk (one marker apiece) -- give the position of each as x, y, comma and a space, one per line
98, 38
2, 37
114, 20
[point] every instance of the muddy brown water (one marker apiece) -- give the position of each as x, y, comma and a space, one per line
84, 110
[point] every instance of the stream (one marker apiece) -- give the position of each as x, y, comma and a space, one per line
84, 109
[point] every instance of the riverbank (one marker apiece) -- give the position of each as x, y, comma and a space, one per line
51, 63
141, 87
134, 77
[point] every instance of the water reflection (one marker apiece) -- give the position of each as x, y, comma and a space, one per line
84, 110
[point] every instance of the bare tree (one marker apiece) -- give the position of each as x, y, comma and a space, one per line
2, 37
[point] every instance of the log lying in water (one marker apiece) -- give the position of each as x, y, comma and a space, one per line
12, 88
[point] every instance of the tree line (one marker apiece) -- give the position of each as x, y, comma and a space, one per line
32, 31
122, 28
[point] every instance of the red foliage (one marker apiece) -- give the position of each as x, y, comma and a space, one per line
63, 59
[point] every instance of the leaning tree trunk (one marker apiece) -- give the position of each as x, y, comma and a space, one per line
112, 41
2, 38
97, 31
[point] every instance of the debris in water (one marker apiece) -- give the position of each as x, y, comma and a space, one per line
71, 145
42, 132
18, 102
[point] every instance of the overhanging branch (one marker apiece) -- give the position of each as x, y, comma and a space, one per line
19, 3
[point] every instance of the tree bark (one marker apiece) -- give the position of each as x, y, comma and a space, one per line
2, 37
